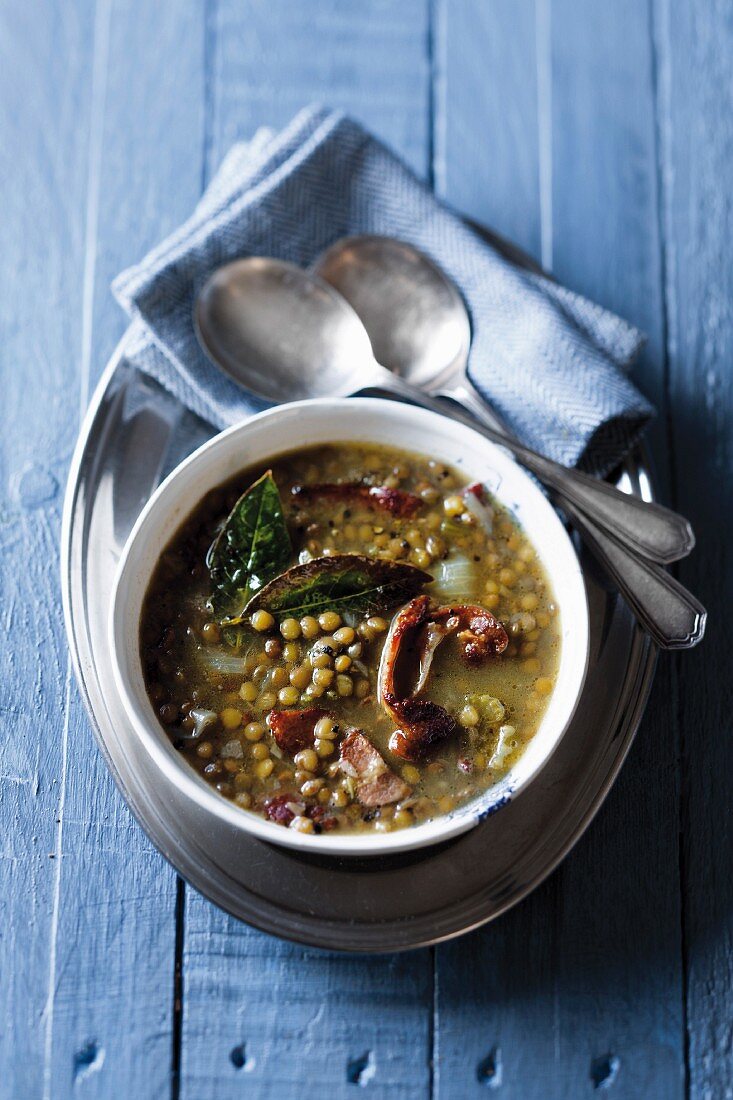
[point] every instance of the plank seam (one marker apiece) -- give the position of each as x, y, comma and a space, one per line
102, 25
660, 76
660, 95
48, 1010
432, 91
437, 177
543, 61
210, 20
178, 991
433, 1023
102, 30
210, 40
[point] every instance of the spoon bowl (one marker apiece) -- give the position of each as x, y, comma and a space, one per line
285, 334
385, 280
416, 319
281, 333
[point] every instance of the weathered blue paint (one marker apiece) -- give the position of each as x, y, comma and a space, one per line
598, 137
564, 959
44, 124
334, 1024
695, 97
116, 897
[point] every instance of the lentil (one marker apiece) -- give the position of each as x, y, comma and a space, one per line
330, 661
262, 620
290, 629
309, 627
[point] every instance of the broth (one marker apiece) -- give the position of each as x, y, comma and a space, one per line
290, 714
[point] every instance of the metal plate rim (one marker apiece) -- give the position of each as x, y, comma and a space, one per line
330, 935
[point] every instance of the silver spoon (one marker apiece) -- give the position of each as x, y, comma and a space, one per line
419, 328
285, 334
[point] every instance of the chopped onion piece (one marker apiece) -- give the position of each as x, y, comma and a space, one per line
455, 579
230, 664
474, 497
203, 719
505, 746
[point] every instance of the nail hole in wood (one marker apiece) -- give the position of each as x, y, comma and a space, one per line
603, 1071
359, 1071
238, 1058
488, 1071
88, 1059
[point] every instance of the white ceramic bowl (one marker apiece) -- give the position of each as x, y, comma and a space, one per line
301, 424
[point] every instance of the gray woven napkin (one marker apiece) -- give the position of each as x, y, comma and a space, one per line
552, 363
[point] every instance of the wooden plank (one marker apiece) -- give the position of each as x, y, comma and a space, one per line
110, 1011
605, 216
694, 48
580, 987
273, 57
151, 147
268, 1018
494, 990
487, 115
43, 146
259, 1015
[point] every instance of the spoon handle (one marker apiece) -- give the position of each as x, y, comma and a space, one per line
670, 614
667, 611
649, 529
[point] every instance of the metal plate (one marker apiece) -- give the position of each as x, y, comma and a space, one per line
133, 435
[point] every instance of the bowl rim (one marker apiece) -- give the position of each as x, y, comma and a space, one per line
154, 738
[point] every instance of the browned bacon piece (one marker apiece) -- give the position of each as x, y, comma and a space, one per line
321, 818
293, 729
415, 634
422, 725
395, 501
377, 784
279, 809
482, 635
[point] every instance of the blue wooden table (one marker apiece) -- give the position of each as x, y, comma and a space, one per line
599, 137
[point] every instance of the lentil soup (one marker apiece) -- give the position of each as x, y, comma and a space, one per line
356, 638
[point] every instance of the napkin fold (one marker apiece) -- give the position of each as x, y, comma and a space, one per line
552, 363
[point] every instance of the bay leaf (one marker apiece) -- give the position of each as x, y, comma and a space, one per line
252, 547
342, 583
